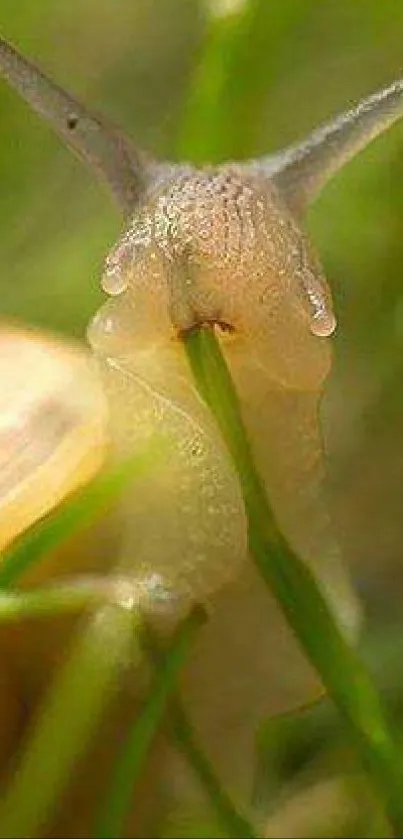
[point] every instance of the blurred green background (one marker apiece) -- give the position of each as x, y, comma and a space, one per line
135, 60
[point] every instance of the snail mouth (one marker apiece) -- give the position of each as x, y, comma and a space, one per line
207, 323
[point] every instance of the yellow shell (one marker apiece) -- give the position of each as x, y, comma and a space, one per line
53, 425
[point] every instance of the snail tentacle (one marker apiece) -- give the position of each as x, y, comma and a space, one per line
107, 151
302, 170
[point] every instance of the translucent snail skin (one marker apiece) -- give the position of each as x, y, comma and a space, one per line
218, 246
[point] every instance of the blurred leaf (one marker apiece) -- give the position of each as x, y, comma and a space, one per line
231, 84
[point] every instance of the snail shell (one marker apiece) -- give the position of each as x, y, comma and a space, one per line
53, 425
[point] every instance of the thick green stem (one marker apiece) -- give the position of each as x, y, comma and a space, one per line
55, 600
341, 671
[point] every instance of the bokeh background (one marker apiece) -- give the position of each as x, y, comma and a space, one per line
135, 60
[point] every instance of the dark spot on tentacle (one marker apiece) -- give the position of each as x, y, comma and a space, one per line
72, 121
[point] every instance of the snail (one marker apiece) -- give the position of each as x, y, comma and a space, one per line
221, 247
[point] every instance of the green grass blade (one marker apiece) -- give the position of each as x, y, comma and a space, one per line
342, 672
56, 600
244, 52
82, 687
234, 824
128, 769
230, 820
67, 720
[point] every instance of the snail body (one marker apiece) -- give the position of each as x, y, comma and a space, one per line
222, 247
216, 247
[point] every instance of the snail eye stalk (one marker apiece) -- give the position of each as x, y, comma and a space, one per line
303, 170
111, 155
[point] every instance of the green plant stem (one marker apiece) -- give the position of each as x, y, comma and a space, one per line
232, 80
130, 763
340, 669
181, 730
235, 825
68, 719
55, 600
64, 598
